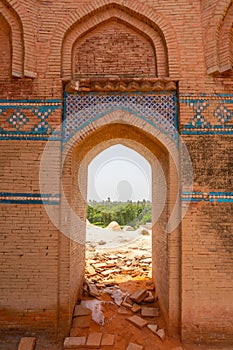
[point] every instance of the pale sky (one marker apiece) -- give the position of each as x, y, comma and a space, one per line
119, 173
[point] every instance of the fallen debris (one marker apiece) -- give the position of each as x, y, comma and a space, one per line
161, 334
116, 294
108, 340
124, 311
96, 310
150, 311
74, 342
92, 289
133, 346
81, 322
137, 321
139, 295
136, 308
153, 327
94, 340
149, 298
81, 311
27, 343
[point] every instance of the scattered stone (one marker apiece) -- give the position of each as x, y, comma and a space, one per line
111, 263
94, 340
150, 311
114, 226
139, 295
121, 256
161, 334
135, 273
126, 305
108, 340
133, 246
90, 270
133, 346
81, 322
128, 228
146, 261
124, 311
100, 285
81, 311
143, 231
96, 307
27, 343
101, 242
150, 286
115, 293
136, 308
117, 296
92, 289
153, 327
74, 342
99, 266
127, 302
109, 282
149, 298
125, 269
137, 321
109, 272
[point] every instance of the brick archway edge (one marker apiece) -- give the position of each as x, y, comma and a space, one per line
213, 31
23, 43
132, 6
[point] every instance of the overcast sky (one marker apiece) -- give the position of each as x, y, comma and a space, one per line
119, 173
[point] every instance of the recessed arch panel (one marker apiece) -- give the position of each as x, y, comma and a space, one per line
17, 45
5, 42
115, 48
218, 38
80, 22
22, 38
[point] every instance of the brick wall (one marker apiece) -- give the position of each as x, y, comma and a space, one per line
190, 41
114, 49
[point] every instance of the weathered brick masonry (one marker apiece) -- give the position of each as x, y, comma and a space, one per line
151, 68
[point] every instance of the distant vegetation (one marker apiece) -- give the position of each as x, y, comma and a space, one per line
125, 213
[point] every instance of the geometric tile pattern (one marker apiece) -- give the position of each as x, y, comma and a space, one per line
29, 198
39, 128
211, 197
158, 109
17, 119
212, 114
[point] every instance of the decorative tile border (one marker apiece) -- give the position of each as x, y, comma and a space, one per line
212, 114
158, 109
54, 199
19, 118
211, 197
29, 198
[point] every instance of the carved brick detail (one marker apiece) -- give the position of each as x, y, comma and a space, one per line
121, 85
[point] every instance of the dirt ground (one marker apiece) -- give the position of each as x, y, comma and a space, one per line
126, 268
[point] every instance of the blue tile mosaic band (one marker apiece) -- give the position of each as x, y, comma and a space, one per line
29, 198
212, 114
211, 197
18, 119
158, 109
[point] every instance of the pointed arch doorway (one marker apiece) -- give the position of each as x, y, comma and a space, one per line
99, 126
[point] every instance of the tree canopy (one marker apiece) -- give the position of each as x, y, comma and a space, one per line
125, 213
